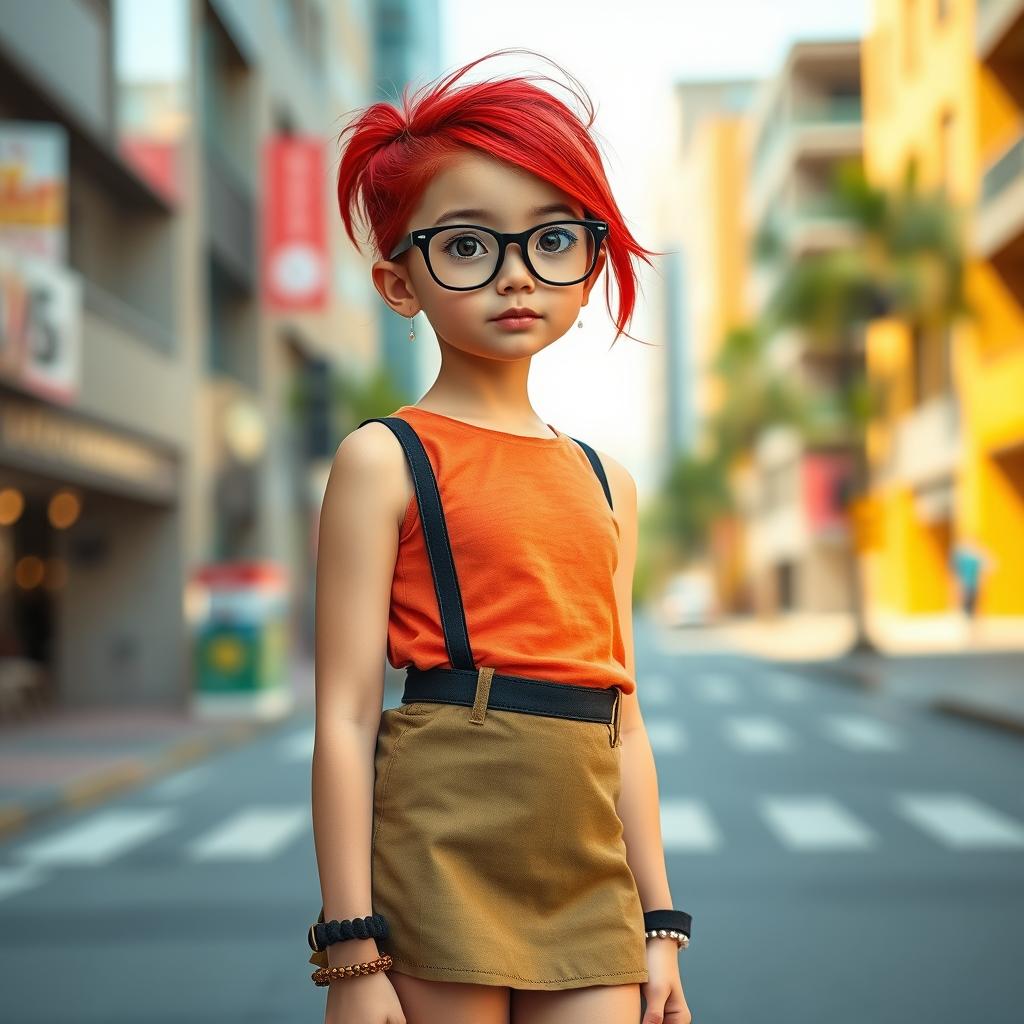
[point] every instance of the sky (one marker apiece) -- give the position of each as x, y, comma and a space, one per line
627, 56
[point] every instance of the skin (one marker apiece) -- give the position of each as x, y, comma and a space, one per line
482, 380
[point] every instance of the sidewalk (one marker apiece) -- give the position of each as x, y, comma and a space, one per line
77, 757
937, 662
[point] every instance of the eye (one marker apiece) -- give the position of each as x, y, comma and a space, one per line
549, 242
461, 247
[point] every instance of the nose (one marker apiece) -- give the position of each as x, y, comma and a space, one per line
514, 270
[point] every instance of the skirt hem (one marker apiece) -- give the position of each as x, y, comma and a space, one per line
481, 977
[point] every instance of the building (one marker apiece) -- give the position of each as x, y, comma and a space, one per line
945, 85
703, 282
157, 410
805, 121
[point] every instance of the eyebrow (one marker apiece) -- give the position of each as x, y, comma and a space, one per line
487, 215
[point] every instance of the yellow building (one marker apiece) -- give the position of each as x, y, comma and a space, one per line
702, 286
944, 83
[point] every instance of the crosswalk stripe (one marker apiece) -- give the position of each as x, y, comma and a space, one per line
716, 688
18, 879
297, 746
98, 839
756, 734
253, 834
685, 825
785, 687
814, 823
180, 784
665, 735
960, 821
861, 732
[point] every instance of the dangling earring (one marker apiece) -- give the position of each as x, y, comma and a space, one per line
412, 333
579, 324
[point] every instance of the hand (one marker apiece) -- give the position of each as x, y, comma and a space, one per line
366, 999
663, 990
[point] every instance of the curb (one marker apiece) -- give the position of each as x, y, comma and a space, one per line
93, 789
981, 716
865, 681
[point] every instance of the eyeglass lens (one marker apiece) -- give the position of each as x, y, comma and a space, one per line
465, 257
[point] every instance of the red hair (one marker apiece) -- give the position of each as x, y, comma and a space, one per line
391, 156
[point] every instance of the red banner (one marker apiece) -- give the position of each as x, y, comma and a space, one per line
825, 476
295, 258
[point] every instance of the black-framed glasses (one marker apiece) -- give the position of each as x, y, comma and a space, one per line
462, 257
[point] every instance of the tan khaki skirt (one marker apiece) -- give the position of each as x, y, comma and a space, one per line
498, 854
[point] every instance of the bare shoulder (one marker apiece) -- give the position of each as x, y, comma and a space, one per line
370, 469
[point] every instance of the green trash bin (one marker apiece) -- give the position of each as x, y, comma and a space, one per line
241, 640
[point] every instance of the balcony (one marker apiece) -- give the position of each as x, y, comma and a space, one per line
825, 134
839, 111
55, 65
1000, 220
999, 30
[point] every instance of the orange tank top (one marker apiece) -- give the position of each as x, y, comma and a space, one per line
535, 545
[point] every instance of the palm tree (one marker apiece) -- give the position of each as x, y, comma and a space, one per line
906, 262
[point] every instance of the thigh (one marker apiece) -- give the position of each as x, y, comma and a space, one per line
594, 1004
454, 1002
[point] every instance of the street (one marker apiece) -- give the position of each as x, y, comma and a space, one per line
845, 857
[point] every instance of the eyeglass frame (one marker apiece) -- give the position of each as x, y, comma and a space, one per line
421, 239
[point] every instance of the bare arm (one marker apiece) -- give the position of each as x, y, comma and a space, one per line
638, 804
364, 500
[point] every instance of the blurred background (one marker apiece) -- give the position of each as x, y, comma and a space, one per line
825, 420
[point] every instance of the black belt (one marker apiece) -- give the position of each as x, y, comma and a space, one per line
512, 693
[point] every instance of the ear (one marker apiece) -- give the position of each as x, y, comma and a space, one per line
395, 287
602, 257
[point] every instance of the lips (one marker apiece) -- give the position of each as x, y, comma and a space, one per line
518, 314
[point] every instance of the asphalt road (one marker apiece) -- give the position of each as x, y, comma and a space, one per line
845, 857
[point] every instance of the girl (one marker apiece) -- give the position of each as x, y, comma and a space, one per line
502, 822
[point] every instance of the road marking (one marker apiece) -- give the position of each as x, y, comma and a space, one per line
785, 687
654, 689
960, 821
665, 735
253, 834
18, 879
814, 823
862, 732
297, 746
685, 825
100, 838
180, 784
758, 734
717, 689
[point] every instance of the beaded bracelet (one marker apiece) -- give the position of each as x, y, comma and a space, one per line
682, 940
668, 924
325, 975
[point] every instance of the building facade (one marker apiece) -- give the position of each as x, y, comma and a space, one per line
157, 411
806, 121
945, 86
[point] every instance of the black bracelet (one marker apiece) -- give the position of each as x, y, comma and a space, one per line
326, 933
677, 920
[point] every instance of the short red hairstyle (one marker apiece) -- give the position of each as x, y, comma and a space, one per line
391, 155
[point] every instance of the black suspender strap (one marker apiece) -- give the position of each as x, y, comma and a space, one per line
438, 544
437, 541
595, 461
